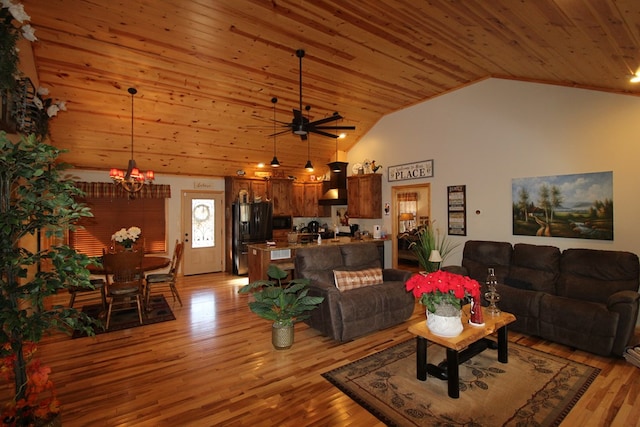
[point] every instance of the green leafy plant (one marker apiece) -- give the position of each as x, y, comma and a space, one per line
430, 239
35, 200
285, 304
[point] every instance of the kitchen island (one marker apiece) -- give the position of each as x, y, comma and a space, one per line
283, 255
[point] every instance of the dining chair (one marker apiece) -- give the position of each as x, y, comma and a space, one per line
124, 281
88, 294
166, 280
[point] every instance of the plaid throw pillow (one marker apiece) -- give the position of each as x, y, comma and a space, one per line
352, 279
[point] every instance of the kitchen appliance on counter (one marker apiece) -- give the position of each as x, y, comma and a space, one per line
252, 223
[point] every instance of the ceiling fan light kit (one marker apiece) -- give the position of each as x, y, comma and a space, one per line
133, 179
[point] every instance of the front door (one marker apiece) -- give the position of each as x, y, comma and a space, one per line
203, 226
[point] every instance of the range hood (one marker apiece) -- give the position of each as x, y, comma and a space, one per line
337, 194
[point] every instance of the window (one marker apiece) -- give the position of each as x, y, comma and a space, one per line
111, 212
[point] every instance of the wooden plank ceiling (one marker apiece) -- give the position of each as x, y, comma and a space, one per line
206, 70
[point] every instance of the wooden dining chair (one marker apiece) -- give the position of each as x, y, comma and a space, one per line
124, 281
88, 294
166, 280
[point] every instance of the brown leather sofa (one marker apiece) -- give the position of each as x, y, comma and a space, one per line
347, 314
583, 298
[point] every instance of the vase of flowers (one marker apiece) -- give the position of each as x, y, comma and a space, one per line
126, 237
443, 294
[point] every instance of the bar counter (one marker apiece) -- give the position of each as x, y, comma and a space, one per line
283, 254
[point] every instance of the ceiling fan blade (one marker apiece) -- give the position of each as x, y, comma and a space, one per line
282, 132
323, 133
326, 120
335, 127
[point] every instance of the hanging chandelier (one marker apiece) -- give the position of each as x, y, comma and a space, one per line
131, 180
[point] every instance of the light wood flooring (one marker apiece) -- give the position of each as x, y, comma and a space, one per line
215, 365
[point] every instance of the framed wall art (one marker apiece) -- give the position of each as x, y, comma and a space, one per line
416, 170
576, 206
457, 210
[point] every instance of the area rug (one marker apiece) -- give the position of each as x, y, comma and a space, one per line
160, 312
533, 389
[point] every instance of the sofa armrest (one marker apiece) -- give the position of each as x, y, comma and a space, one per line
625, 303
395, 274
326, 317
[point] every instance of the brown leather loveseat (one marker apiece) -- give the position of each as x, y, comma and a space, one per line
583, 298
349, 313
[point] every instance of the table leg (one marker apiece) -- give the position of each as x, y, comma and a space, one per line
503, 345
421, 358
453, 375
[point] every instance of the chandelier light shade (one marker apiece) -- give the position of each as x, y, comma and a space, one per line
132, 180
274, 163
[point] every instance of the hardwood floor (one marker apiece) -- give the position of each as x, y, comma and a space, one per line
215, 365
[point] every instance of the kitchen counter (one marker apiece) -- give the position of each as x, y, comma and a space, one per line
283, 254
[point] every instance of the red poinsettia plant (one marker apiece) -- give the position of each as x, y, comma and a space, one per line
39, 402
442, 287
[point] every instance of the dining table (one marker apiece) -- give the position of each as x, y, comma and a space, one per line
149, 263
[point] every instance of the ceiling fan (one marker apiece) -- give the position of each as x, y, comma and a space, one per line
302, 126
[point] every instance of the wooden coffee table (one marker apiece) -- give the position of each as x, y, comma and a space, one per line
471, 341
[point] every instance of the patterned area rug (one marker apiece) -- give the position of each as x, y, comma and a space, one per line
534, 388
160, 312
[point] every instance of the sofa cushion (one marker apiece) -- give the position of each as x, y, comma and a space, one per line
479, 255
352, 279
594, 275
537, 265
358, 256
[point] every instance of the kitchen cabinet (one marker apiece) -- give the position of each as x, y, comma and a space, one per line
281, 192
364, 195
253, 187
305, 200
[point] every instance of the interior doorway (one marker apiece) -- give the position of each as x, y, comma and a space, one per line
411, 209
202, 231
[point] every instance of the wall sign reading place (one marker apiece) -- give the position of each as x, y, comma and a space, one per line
415, 170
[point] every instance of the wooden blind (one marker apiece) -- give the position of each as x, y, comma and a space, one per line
110, 215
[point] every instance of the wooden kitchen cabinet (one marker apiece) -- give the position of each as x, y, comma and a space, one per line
254, 188
305, 200
364, 195
282, 196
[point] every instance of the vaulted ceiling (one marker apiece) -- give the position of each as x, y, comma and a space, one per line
206, 70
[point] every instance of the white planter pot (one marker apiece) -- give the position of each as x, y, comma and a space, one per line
444, 326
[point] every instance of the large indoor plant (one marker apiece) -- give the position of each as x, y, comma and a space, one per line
282, 303
428, 240
35, 200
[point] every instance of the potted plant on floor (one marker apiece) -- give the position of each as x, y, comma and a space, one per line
35, 200
282, 303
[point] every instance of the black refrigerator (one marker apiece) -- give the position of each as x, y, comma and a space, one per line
252, 223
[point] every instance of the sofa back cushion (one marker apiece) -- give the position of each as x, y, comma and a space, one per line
594, 275
479, 255
536, 265
318, 263
358, 256
353, 279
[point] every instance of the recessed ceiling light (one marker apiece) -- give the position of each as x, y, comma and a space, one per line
635, 78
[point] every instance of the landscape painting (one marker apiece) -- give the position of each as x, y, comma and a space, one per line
575, 206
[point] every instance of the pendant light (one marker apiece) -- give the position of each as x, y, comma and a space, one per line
308, 166
132, 180
336, 163
274, 163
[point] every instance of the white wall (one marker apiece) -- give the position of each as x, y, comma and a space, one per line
485, 134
